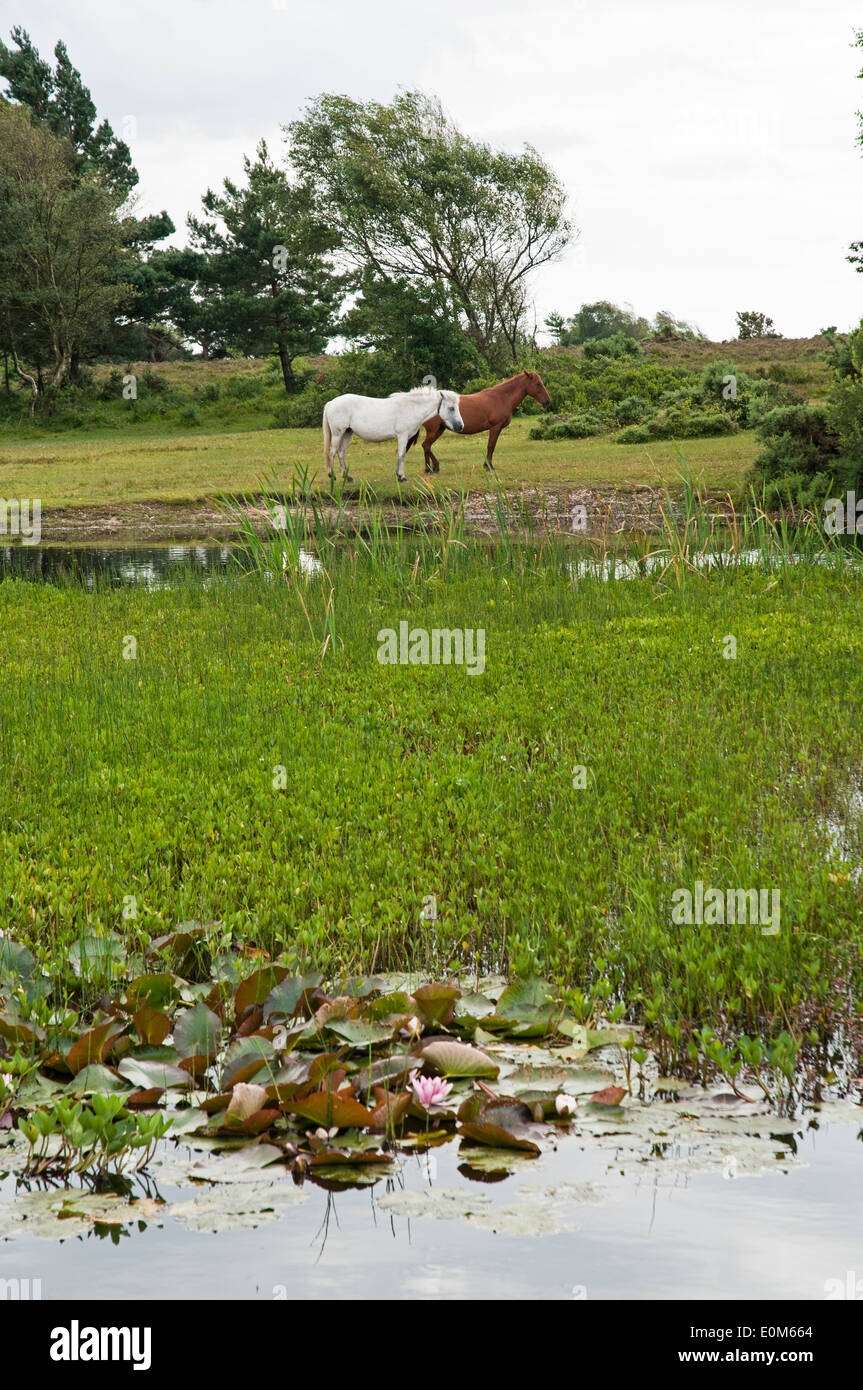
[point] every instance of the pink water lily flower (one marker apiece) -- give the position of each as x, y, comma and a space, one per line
430, 1091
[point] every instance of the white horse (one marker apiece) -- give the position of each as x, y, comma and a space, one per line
398, 417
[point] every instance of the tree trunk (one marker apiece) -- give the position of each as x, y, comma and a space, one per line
61, 371
287, 370
26, 376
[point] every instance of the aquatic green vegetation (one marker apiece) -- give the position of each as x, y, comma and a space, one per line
232, 750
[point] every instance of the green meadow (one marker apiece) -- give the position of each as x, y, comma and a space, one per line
234, 751
110, 468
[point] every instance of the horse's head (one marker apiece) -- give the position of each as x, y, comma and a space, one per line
535, 388
449, 412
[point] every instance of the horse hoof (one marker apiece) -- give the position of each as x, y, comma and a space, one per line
347, 478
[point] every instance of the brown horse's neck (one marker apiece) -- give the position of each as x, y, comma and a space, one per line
514, 389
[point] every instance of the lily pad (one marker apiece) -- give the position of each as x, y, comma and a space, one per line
451, 1058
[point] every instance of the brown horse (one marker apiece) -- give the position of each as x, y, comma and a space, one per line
491, 409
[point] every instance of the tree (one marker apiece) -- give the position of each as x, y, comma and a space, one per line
599, 320
667, 328
60, 248
60, 100
264, 271
751, 324
416, 327
415, 200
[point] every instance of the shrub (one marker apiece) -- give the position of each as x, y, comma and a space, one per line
678, 423
634, 434
211, 392
154, 382
566, 427
616, 346
245, 386
632, 409
189, 415
304, 411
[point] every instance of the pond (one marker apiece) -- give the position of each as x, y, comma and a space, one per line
150, 565
153, 566
568, 1226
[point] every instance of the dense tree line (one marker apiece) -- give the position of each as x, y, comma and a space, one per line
384, 224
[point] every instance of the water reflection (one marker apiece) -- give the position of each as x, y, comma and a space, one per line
151, 567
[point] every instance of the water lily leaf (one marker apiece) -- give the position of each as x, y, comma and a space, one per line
16, 1030
247, 1099
436, 1003
92, 1045
600, 1037
359, 1032
181, 946
474, 1006
576, 1031
447, 1206
508, 1113
152, 1075
387, 1069
253, 1124
330, 1108
238, 1165
196, 1033
16, 961
497, 1137
327, 1064
157, 991
94, 1079
391, 1109
151, 1025
330, 1157
96, 957
241, 1206
390, 1006
283, 1001
244, 1059
451, 1058
611, 1095
186, 1121
257, 986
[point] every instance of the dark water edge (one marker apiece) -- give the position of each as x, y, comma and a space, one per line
146, 565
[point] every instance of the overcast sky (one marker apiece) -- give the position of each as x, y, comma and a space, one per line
708, 149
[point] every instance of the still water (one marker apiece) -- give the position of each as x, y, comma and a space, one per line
795, 1233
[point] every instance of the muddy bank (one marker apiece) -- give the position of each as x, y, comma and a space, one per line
586, 511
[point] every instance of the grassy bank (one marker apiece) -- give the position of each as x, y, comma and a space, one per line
124, 467
156, 780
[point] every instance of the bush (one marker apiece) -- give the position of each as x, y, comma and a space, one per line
678, 423
155, 383
618, 345
632, 409
566, 427
304, 411
245, 386
211, 392
189, 416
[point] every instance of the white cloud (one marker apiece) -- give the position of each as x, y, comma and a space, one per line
708, 149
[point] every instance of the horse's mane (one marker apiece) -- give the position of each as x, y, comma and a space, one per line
426, 391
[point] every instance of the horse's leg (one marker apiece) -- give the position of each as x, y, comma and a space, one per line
402, 443
493, 435
433, 432
343, 449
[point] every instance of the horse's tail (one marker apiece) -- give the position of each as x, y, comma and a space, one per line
328, 439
